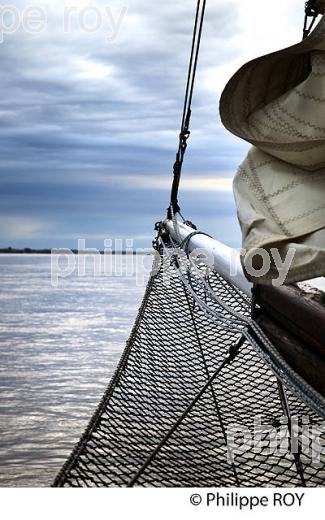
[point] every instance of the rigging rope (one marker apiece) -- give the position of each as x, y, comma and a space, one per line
185, 132
251, 330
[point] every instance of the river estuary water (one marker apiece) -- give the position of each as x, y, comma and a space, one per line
59, 347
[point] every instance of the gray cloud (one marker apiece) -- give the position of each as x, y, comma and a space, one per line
76, 110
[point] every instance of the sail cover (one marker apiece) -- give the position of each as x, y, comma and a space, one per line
277, 103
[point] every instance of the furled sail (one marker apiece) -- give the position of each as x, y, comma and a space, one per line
277, 103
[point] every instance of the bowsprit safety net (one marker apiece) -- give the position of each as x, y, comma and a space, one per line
196, 368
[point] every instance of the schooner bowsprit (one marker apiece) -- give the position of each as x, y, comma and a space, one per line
215, 348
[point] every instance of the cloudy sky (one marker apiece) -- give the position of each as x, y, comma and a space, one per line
90, 118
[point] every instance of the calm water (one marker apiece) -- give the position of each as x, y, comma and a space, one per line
58, 350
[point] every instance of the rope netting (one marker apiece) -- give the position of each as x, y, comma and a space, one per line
192, 372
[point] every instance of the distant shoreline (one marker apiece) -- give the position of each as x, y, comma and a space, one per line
29, 251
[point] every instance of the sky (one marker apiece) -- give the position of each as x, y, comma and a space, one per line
91, 97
